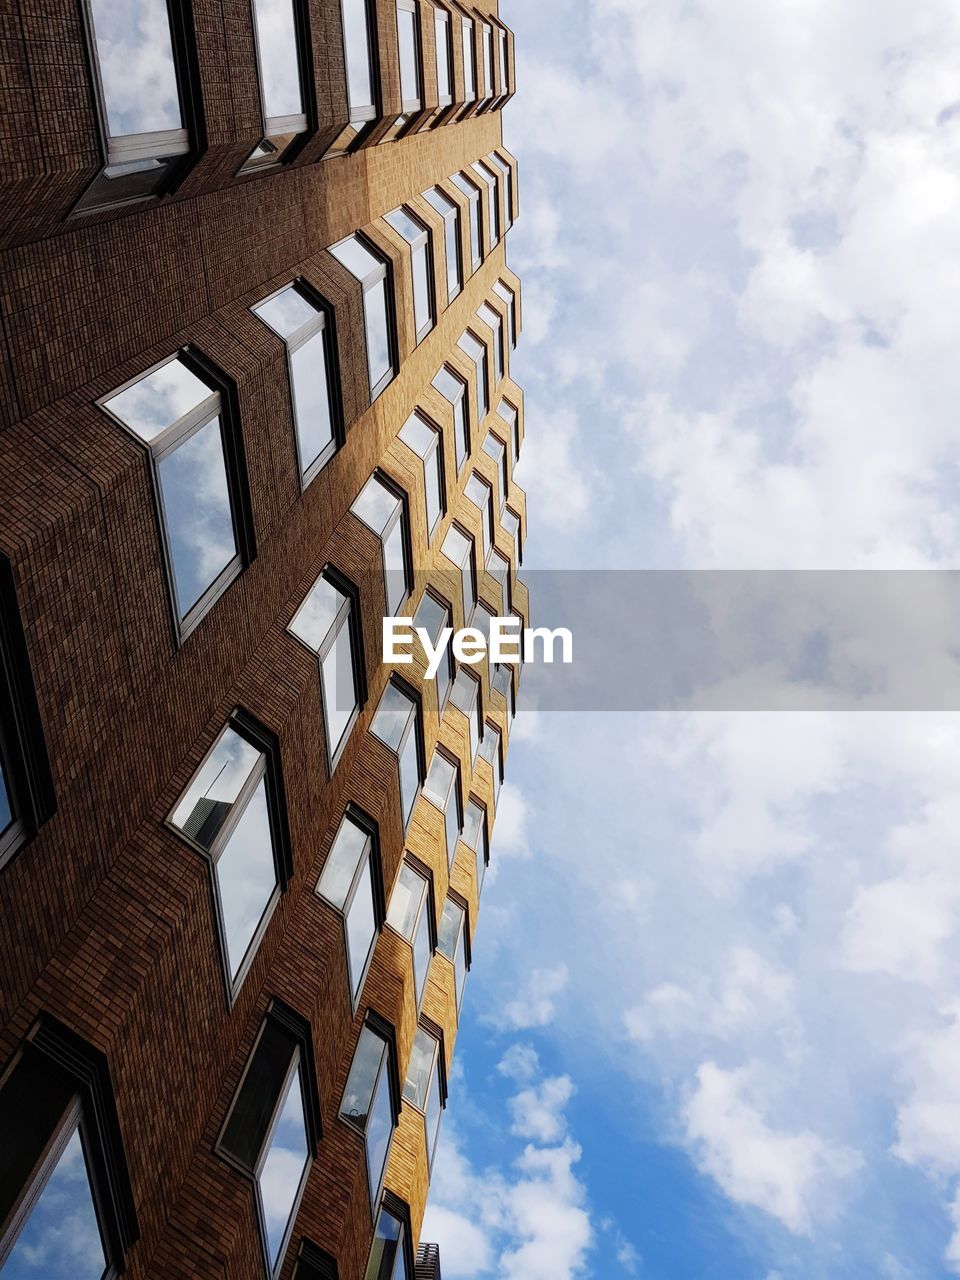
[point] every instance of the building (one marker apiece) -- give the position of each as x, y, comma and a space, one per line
257, 324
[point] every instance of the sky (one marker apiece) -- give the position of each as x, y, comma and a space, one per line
712, 1027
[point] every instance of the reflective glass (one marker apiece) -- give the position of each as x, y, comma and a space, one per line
283, 1168
404, 225
358, 1095
286, 312
60, 1239
422, 309
421, 956
409, 76
208, 800
488, 60
311, 398
451, 924
489, 184
444, 52
375, 505
6, 805
386, 1248
423, 1056
395, 567
408, 894
473, 196
197, 513
409, 775
492, 318
393, 716
451, 231
480, 495
439, 780
349, 847
156, 401
135, 56
379, 1133
361, 928
356, 40
477, 352
339, 682
375, 316
357, 258
279, 58
473, 825
317, 614
246, 877
469, 62
434, 1111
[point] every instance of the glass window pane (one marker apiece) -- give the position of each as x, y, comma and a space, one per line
246, 877
279, 1179
386, 1249
469, 62
405, 902
286, 312
356, 40
254, 1105
361, 928
358, 1095
421, 956
472, 824
452, 241
156, 401
409, 776
315, 617
456, 546
393, 716
502, 41
197, 514
448, 934
375, 504
409, 76
460, 969
208, 800
418, 435
357, 258
422, 308
434, 491
473, 195
135, 56
432, 616
378, 332
439, 780
487, 43
279, 58
350, 847
434, 1110
444, 90
61, 1238
395, 567
6, 803
339, 683
311, 399
379, 1133
405, 225
423, 1057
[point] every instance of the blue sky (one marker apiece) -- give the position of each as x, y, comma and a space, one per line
713, 1025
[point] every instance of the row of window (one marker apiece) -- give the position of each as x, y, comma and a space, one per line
149, 132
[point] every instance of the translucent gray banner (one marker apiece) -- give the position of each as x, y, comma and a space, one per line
777, 640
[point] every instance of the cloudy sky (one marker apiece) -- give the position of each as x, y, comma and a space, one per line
713, 1024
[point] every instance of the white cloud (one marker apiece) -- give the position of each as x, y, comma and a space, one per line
536, 1006
537, 1112
510, 834
899, 925
465, 1247
559, 480
520, 1062
785, 1174
928, 1120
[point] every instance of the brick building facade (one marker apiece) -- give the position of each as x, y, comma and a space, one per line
255, 397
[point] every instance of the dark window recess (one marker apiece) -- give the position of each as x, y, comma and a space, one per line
62, 1153
314, 1264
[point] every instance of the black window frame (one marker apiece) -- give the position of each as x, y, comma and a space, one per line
399, 1210
427, 912
401, 517
298, 138
253, 731
435, 1032
455, 791
374, 858
55, 1057
385, 1030
414, 725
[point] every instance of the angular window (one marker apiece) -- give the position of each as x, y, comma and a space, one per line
502, 50
486, 36
232, 811
434, 616
489, 182
465, 696
282, 71
502, 680
482, 620
452, 942
271, 1129
472, 192
27, 797
451, 238
494, 159
421, 260
369, 1102
183, 420
410, 915
66, 1208
441, 21
397, 725
328, 625
389, 1258
384, 512
350, 881
491, 751
499, 568
474, 348
313, 1263
454, 390
408, 37
142, 120
358, 52
469, 60
474, 836
425, 441
371, 271
494, 448
442, 789
424, 1089
493, 320
511, 524
458, 548
303, 326
481, 495
508, 414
